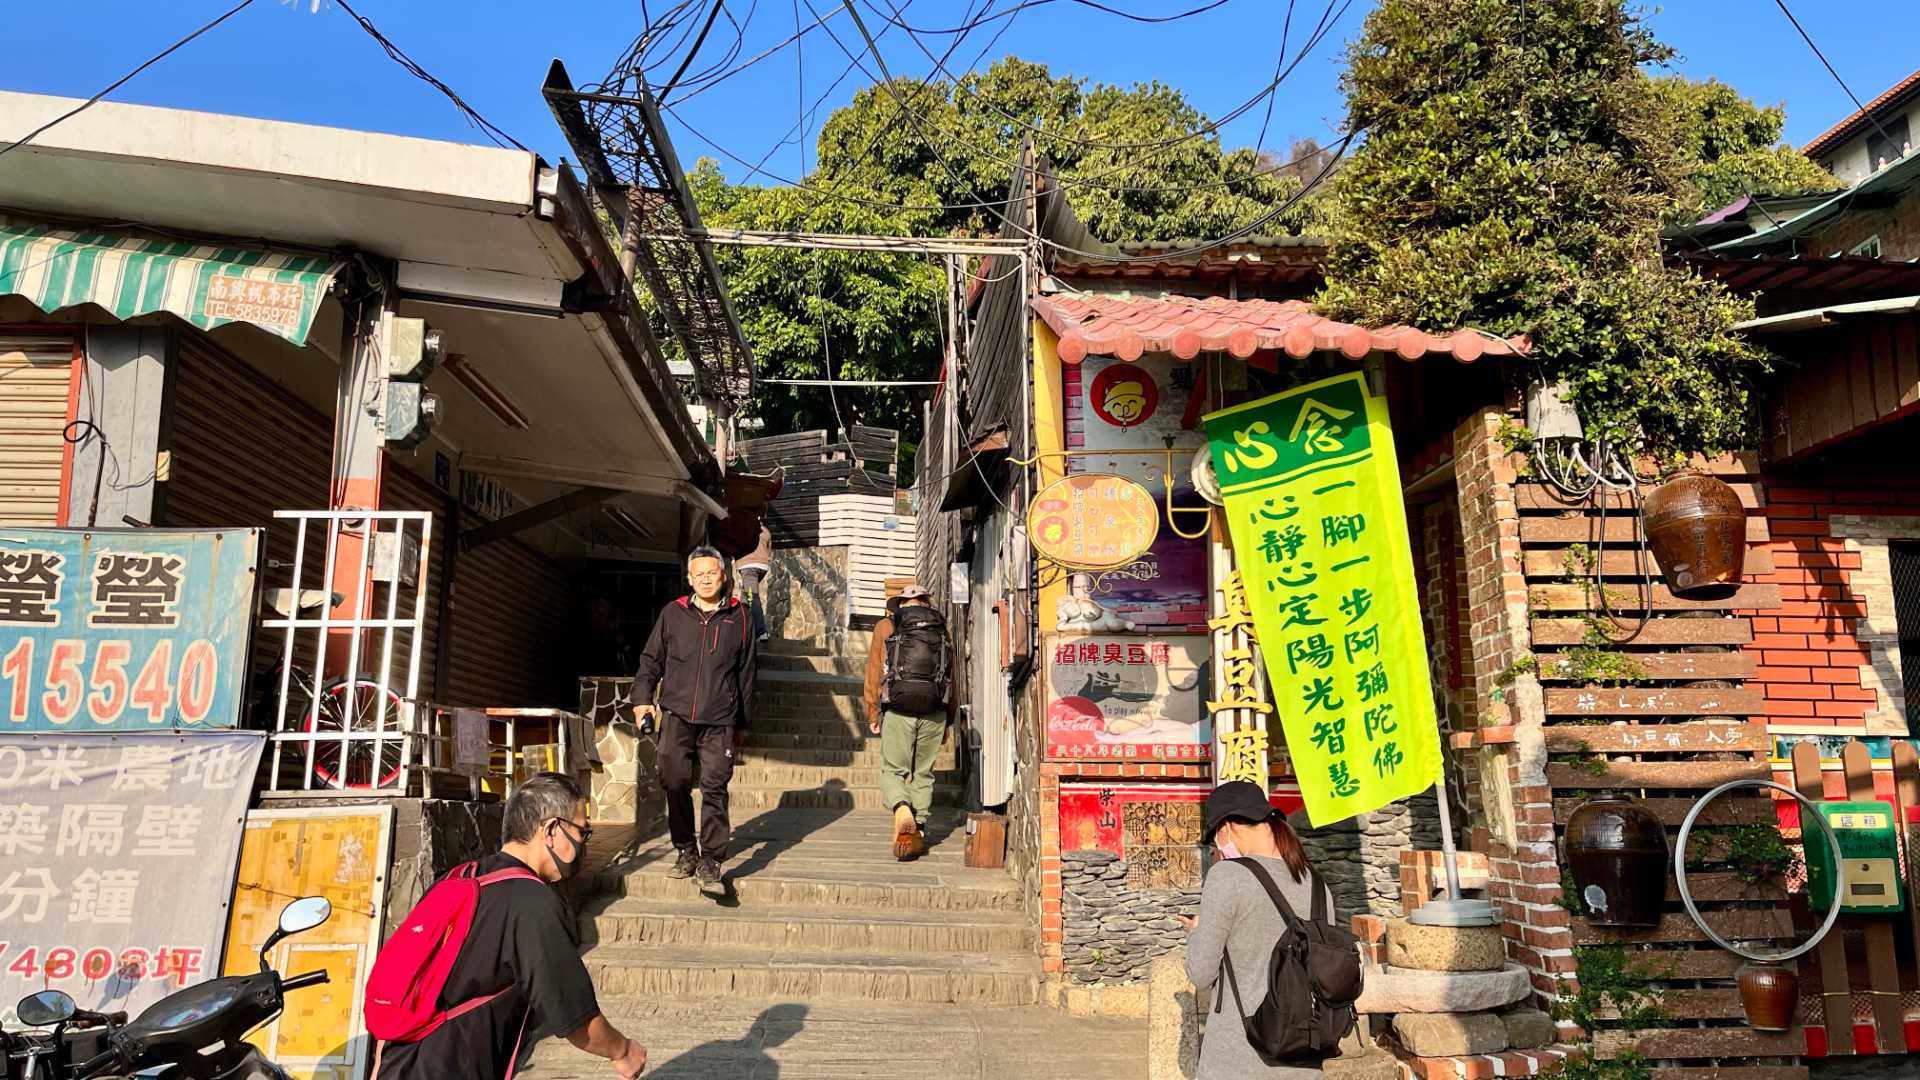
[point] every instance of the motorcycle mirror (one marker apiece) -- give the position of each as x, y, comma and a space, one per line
45, 1007
303, 914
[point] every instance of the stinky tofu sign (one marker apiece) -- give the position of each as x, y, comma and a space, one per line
1093, 521
124, 629
1117, 697
1314, 506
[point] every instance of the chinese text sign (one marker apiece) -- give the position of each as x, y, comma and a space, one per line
1111, 697
124, 629
116, 861
1313, 504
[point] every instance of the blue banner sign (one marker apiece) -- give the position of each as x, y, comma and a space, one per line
124, 629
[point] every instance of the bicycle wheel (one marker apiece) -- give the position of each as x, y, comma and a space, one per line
366, 763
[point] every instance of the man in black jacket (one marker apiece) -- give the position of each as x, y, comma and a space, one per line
698, 669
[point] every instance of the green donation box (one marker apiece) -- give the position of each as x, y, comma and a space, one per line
1870, 848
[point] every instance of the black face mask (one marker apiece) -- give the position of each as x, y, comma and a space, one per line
568, 867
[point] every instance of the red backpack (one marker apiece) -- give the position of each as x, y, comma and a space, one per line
411, 971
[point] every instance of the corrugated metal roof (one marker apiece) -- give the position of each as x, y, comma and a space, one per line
1899, 94
1128, 326
1890, 182
1840, 274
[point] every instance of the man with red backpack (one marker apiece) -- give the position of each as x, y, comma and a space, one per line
489, 961
910, 704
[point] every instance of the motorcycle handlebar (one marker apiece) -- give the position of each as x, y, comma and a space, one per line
98, 1063
298, 982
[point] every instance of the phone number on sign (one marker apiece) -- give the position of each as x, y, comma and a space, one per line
35, 964
66, 682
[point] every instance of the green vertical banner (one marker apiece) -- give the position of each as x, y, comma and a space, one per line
1313, 504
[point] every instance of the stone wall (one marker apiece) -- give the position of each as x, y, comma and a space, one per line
1360, 856
1113, 930
431, 837
807, 595
626, 786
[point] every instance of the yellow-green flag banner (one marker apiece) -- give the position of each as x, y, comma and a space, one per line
1313, 503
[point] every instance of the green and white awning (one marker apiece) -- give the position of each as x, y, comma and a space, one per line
131, 275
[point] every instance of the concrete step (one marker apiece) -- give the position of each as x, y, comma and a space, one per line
776, 680
791, 724
768, 707
793, 777
832, 665
868, 756
650, 973
909, 933
833, 795
816, 825
923, 885
855, 646
717, 1039
854, 739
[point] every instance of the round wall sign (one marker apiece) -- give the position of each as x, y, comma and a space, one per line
1124, 395
1095, 521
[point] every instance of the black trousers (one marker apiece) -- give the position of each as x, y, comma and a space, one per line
681, 744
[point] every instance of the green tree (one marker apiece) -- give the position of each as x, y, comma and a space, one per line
1731, 146
1139, 163
1516, 171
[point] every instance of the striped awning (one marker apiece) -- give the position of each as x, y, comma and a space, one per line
129, 275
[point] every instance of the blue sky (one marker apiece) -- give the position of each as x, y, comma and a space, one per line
280, 59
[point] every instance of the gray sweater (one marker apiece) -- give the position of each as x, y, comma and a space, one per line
1238, 920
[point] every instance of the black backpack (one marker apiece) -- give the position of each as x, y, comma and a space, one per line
917, 662
1312, 981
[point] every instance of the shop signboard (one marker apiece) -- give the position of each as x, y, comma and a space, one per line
1093, 521
116, 861
1119, 697
1315, 512
1156, 828
124, 629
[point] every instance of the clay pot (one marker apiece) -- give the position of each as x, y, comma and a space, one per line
1617, 852
1698, 532
1770, 994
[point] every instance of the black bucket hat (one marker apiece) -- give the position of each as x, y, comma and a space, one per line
1235, 800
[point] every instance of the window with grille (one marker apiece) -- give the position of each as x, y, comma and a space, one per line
1906, 612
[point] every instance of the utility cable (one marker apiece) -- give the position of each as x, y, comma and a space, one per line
1808, 38
122, 80
712, 17
413, 67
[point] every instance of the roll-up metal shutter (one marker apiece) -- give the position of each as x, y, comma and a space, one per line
36, 402
241, 448
510, 607
400, 489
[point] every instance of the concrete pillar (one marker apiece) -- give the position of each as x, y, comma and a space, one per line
124, 393
359, 452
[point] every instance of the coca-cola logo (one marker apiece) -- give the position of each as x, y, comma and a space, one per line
1075, 715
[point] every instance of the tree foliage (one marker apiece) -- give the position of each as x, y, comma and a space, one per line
1517, 168
1732, 147
1140, 163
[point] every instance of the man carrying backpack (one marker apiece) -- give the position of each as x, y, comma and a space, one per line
910, 704
488, 962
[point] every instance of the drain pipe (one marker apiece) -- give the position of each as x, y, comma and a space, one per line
1807, 809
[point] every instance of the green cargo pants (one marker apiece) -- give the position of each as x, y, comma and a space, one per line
909, 745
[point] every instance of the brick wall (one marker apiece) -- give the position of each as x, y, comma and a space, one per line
1828, 655
1898, 228
1508, 751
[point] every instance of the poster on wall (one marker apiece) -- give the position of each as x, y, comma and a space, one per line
124, 629
1141, 405
116, 862
339, 853
1126, 698
1156, 828
1319, 530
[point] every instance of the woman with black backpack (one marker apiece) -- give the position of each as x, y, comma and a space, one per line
1278, 989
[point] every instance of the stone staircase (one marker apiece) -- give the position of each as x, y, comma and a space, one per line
850, 963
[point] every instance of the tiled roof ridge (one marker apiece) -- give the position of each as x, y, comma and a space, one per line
1127, 326
1849, 126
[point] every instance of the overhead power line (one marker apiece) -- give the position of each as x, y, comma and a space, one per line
712, 17
122, 80
413, 67
1824, 62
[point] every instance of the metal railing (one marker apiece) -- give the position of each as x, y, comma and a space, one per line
350, 730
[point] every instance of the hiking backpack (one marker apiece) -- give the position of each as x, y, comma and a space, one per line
1313, 978
917, 662
411, 971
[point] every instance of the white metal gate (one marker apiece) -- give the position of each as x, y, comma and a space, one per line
354, 731
992, 707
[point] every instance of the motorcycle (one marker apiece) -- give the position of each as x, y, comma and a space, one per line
197, 1033
77, 1034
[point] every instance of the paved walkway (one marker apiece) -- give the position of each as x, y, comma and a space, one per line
828, 960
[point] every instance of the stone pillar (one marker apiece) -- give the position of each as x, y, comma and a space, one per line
1515, 800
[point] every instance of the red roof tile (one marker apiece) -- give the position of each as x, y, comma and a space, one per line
1126, 326
1857, 121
